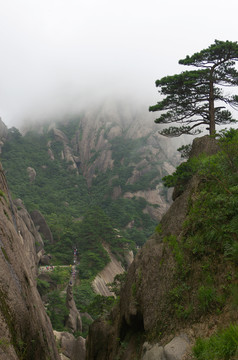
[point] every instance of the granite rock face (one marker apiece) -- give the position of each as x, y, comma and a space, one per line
3, 133
90, 150
145, 309
31, 239
31, 174
70, 347
25, 329
74, 322
41, 225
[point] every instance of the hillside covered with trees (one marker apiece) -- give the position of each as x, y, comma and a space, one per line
115, 170
97, 182
183, 282
179, 298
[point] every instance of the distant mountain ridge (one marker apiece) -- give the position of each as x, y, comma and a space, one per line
110, 156
106, 140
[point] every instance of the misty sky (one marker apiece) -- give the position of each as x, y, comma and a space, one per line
59, 55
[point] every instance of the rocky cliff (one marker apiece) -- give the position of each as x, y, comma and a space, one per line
163, 305
3, 133
110, 156
107, 275
25, 329
103, 138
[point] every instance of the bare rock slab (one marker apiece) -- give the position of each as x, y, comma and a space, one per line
176, 348
154, 352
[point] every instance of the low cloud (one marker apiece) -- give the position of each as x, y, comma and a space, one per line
60, 55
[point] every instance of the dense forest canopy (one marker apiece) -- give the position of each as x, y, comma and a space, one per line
64, 197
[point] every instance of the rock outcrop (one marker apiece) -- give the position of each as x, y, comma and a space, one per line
149, 307
31, 173
3, 134
67, 153
74, 322
41, 225
101, 131
107, 275
31, 239
70, 347
25, 329
174, 350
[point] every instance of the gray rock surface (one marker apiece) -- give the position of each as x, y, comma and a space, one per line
41, 225
31, 173
3, 133
28, 234
153, 352
70, 347
176, 349
74, 322
25, 329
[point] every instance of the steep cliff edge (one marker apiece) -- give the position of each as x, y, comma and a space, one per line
107, 275
25, 330
177, 288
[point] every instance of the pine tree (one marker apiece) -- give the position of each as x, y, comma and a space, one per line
194, 98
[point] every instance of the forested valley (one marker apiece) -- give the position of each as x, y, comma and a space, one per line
98, 184
118, 196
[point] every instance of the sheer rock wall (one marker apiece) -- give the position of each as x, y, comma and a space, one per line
25, 329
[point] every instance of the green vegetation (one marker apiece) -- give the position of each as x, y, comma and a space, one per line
65, 200
191, 97
57, 310
4, 343
177, 251
216, 204
117, 283
55, 298
5, 254
87, 301
81, 216
83, 295
216, 200
209, 239
221, 346
3, 195
61, 276
207, 297
43, 286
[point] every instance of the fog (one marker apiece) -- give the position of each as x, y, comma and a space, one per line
58, 56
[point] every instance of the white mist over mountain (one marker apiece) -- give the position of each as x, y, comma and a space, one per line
58, 56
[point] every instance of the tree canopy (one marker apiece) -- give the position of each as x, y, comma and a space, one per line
194, 98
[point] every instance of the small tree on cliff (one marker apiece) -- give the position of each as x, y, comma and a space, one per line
192, 95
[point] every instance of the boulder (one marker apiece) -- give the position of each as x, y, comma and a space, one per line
153, 352
42, 226
45, 260
31, 173
71, 348
176, 348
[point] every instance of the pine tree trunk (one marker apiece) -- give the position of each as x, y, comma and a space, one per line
211, 106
